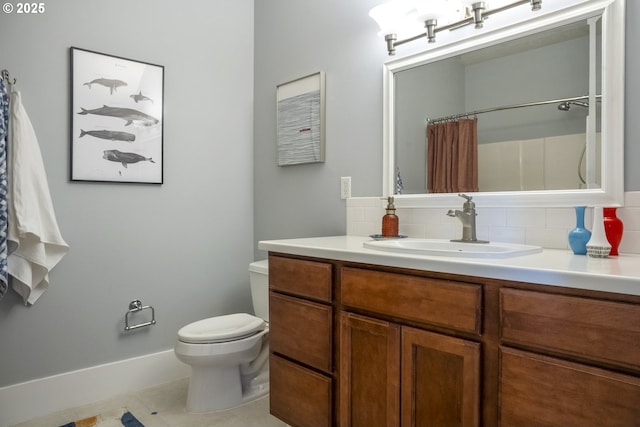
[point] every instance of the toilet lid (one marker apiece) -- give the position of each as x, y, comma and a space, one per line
221, 328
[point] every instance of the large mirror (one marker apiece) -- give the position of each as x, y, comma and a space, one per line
547, 96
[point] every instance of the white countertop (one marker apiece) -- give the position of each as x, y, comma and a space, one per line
620, 274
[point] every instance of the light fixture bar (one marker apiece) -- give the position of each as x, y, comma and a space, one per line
480, 14
512, 5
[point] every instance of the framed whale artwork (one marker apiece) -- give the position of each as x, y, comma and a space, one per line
117, 121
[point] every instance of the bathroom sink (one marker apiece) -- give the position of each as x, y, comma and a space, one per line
443, 247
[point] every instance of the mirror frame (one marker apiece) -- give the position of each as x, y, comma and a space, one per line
611, 191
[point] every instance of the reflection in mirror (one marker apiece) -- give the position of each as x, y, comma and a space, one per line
542, 114
531, 124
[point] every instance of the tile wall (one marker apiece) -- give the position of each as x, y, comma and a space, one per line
535, 164
546, 227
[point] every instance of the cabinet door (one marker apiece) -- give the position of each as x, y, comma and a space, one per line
546, 391
440, 380
369, 372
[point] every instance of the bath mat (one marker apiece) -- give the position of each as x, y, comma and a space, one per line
120, 418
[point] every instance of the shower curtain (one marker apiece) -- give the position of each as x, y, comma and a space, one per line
452, 156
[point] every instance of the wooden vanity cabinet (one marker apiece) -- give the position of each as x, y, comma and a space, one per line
393, 374
440, 381
301, 341
365, 345
369, 372
552, 358
547, 391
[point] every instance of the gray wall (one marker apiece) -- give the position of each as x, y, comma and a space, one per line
295, 38
182, 247
421, 101
559, 70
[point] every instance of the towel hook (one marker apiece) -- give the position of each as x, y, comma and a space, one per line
7, 78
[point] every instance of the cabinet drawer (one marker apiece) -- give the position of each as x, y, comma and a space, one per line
446, 303
605, 331
301, 330
545, 391
299, 396
299, 277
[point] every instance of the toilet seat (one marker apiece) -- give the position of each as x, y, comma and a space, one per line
219, 329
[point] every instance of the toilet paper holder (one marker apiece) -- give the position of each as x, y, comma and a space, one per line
134, 307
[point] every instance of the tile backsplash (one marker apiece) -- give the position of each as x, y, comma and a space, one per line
546, 227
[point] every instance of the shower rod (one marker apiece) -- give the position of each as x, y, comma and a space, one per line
508, 107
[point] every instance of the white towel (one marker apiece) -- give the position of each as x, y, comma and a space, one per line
35, 242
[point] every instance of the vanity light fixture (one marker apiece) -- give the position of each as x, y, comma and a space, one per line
399, 17
430, 13
478, 9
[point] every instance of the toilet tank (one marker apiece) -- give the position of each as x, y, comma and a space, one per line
259, 278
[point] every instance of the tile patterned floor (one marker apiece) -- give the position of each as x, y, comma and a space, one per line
164, 406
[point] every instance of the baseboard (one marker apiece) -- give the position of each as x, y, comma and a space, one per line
32, 399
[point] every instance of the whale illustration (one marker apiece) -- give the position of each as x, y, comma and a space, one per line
124, 158
109, 134
140, 97
127, 114
112, 84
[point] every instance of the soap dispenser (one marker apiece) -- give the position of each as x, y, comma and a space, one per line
390, 220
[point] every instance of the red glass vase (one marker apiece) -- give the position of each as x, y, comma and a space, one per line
613, 228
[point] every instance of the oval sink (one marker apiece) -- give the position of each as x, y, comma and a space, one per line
442, 247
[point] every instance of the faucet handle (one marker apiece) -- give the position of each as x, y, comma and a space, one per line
468, 204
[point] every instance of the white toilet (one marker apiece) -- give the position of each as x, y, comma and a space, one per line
229, 355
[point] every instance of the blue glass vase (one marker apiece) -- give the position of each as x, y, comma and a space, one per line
579, 236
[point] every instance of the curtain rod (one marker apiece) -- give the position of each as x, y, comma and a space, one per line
508, 107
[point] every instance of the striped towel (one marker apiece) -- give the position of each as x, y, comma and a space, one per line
4, 126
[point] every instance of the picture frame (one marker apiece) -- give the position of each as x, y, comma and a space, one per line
301, 120
117, 119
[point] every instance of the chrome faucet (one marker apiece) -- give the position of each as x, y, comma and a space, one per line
468, 218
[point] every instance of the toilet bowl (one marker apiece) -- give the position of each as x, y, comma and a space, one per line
228, 355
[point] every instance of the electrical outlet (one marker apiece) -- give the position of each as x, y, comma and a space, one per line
345, 187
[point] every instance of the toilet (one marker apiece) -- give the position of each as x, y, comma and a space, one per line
229, 355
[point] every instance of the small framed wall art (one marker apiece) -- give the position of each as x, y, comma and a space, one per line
300, 117
116, 119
